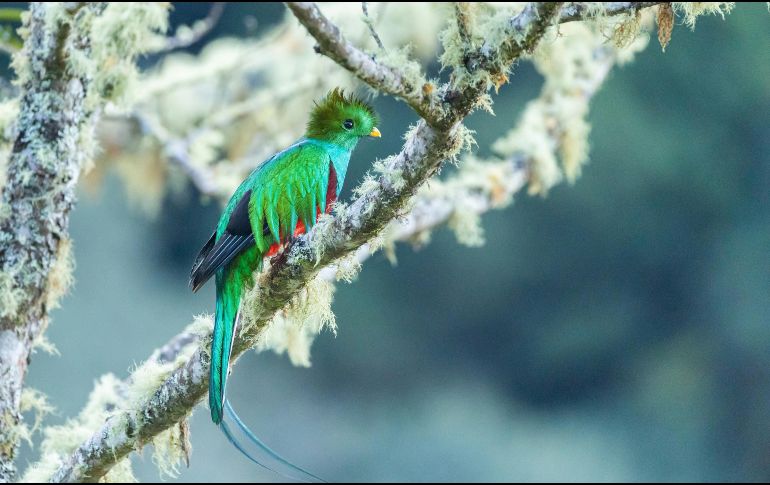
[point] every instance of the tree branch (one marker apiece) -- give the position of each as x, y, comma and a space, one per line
522, 32
370, 24
187, 36
331, 239
177, 151
60, 102
488, 185
36, 201
580, 11
333, 45
346, 234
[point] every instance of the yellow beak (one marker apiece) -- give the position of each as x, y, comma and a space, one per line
375, 133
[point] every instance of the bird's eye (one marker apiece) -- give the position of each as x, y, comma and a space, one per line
348, 124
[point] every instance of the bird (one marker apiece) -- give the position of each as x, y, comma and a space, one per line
282, 198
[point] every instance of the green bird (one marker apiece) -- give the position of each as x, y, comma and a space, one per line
281, 198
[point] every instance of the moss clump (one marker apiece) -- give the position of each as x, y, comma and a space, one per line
60, 441
693, 10
466, 224
293, 329
60, 277
171, 449
119, 34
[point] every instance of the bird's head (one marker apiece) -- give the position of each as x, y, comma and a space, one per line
342, 119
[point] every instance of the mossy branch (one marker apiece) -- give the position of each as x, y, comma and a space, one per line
352, 232
580, 10
61, 95
481, 186
332, 238
387, 79
381, 212
37, 198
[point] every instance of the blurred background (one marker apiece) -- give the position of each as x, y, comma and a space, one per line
618, 329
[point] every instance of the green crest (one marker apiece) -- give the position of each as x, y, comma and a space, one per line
341, 117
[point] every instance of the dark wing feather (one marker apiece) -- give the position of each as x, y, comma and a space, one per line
227, 247
239, 224
205, 250
217, 253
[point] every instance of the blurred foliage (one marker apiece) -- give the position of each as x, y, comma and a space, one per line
9, 21
616, 330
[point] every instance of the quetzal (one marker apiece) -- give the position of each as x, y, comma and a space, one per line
280, 199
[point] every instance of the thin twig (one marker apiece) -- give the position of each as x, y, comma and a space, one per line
386, 79
185, 37
370, 24
574, 11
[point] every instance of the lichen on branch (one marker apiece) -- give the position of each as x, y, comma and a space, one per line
63, 85
290, 304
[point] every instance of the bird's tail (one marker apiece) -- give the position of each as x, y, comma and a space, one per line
278, 464
225, 328
225, 321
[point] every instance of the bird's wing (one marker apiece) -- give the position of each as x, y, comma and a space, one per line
217, 253
292, 185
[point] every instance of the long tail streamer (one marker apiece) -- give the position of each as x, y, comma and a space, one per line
262, 447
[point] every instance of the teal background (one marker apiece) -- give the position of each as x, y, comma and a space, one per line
618, 329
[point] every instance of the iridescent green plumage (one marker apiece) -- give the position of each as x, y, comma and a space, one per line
282, 196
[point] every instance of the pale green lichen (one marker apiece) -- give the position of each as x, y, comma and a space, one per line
348, 268
466, 224
41, 342
532, 138
377, 243
9, 110
171, 449
147, 377
123, 31
464, 141
60, 441
60, 277
202, 325
573, 148
293, 330
627, 29
389, 250
11, 295
120, 472
109, 397
145, 380
553, 131
367, 186
693, 10
251, 309
487, 25
411, 70
206, 147
389, 172
420, 239
35, 401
